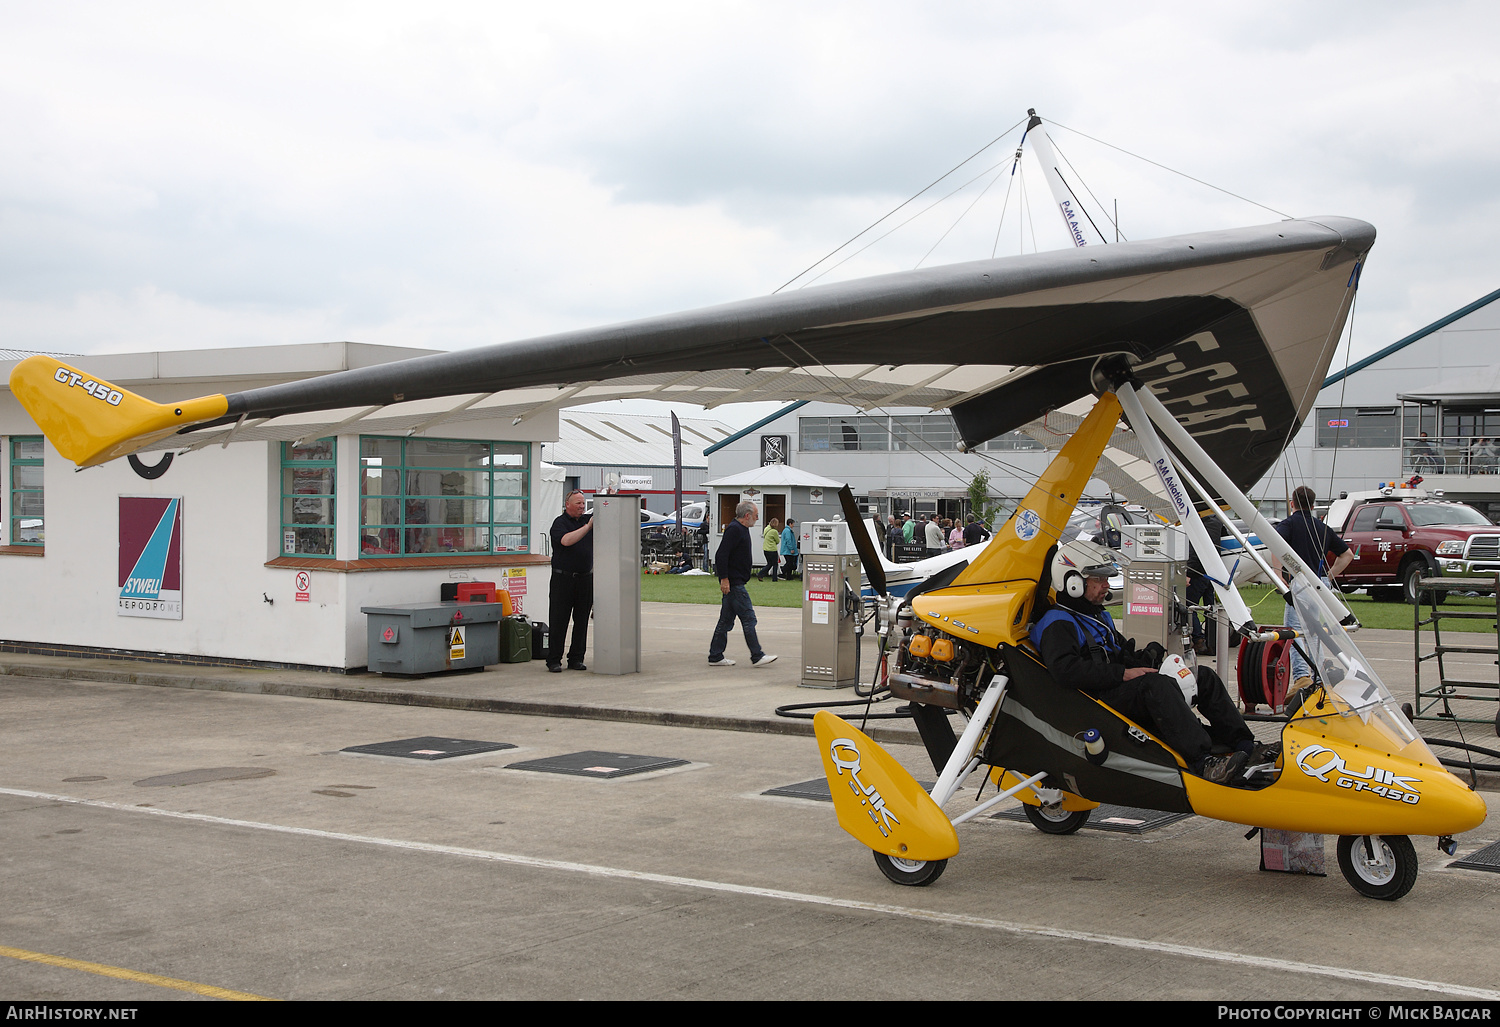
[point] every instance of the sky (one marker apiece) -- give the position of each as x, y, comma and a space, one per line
447, 175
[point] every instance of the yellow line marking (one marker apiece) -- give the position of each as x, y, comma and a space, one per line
207, 990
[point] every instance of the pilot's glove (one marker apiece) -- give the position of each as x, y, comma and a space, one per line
1156, 653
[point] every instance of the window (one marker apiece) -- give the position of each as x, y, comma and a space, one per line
26, 522
847, 433
1357, 427
435, 496
307, 482
924, 432
1012, 441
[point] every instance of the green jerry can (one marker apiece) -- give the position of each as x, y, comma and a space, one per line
515, 639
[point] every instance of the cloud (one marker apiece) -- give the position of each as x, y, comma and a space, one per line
181, 175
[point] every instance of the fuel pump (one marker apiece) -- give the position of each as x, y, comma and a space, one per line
830, 607
1156, 587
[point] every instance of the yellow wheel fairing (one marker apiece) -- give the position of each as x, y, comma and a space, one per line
876, 800
90, 421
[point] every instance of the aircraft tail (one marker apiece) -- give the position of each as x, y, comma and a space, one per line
90, 420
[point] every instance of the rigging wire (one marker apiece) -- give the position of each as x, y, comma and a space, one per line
1343, 387
931, 452
956, 220
1174, 171
1113, 222
912, 198
897, 228
1004, 207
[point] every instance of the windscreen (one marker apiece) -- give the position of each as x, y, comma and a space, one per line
1351, 684
1455, 514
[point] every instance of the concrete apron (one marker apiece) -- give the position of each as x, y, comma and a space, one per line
676, 687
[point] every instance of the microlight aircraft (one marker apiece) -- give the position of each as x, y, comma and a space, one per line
1223, 335
1349, 762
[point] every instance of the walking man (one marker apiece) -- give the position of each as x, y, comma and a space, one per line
572, 583
733, 564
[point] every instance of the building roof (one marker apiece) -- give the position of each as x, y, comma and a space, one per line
608, 438
1420, 333
756, 426
1475, 385
773, 475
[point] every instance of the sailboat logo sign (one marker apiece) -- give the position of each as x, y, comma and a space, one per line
150, 577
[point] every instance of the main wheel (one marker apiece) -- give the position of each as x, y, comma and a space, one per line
912, 872
1411, 575
1378, 866
1055, 819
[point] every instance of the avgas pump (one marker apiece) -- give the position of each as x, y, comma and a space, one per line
830, 605
1155, 597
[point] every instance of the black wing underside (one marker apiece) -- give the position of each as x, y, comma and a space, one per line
1233, 330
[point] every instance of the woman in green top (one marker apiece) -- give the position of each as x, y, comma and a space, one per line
771, 544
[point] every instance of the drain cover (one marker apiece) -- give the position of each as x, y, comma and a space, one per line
429, 747
1487, 858
598, 764
817, 789
1120, 819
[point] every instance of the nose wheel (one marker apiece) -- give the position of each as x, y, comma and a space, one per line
1378, 866
913, 872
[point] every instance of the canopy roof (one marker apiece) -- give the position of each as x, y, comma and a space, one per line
774, 476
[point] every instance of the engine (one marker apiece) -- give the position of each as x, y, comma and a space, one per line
937, 669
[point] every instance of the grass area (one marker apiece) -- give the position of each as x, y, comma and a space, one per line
1267, 608
678, 588
1265, 605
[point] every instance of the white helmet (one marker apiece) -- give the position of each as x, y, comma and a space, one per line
1079, 560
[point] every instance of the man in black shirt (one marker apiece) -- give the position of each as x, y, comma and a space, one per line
733, 563
572, 583
1312, 541
974, 532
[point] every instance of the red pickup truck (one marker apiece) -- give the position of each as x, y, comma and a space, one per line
1397, 540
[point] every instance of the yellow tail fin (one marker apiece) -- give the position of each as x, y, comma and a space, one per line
90, 420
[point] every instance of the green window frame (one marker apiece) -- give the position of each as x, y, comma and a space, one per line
27, 520
309, 474
443, 497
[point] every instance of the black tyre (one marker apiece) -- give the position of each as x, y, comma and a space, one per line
1411, 591
915, 873
1389, 875
1385, 595
1055, 819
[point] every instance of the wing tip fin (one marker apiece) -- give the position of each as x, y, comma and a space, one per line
91, 421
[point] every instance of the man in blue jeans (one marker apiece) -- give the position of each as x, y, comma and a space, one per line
733, 564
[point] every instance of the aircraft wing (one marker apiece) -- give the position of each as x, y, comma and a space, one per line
1234, 330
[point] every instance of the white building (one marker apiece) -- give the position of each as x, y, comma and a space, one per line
1368, 421
286, 529
901, 459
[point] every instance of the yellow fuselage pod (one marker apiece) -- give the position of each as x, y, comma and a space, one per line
90, 421
1342, 775
876, 800
990, 602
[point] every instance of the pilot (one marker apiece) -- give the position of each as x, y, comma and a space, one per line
1080, 646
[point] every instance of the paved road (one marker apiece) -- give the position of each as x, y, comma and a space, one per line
341, 876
